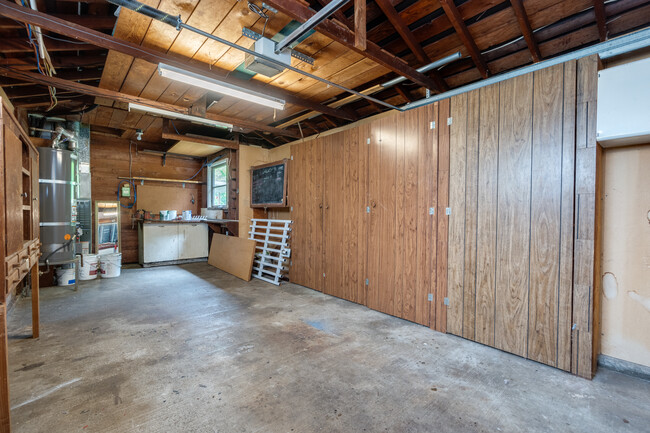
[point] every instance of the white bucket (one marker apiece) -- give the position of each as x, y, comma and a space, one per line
187, 215
172, 215
110, 265
65, 276
88, 270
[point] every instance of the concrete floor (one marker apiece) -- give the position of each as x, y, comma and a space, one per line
192, 349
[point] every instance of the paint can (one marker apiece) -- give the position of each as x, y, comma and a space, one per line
65, 276
110, 265
187, 215
88, 269
172, 215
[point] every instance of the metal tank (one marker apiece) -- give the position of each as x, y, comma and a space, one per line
58, 192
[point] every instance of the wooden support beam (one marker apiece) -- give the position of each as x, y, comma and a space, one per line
463, 33
330, 122
360, 24
407, 36
404, 93
298, 11
21, 45
96, 22
526, 30
84, 75
601, 19
267, 139
71, 30
168, 134
339, 15
123, 97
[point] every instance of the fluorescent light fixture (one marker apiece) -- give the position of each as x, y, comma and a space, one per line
217, 86
179, 116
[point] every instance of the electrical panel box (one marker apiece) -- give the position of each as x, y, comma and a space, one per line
126, 190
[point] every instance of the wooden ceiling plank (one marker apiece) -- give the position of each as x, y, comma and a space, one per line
526, 30
341, 34
601, 19
463, 33
133, 50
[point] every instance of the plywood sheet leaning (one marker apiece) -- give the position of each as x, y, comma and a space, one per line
155, 198
233, 255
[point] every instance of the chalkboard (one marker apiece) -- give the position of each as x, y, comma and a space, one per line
269, 185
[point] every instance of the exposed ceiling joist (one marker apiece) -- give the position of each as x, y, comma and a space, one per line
344, 36
360, 40
96, 22
167, 134
526, 30
99, 39
123, 97
601, 19
19, 45
463, 33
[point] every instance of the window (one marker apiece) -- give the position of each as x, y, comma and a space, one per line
218, 183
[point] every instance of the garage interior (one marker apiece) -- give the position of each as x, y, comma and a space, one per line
292, 215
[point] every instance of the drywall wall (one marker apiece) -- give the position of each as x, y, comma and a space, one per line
626, 254
250, 156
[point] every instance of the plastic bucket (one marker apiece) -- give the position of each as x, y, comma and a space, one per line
110, 265
187, 215
65, 276
88, 269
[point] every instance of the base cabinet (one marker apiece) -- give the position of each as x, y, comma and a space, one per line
169, 243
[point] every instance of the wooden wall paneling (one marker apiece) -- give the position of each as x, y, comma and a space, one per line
352, 209
432, 239
363, 220
374, 221
3, 244
333, 216
486, 232
426, 193
456, 241
546, 200
439, 322
13, 184
296, 189
565, 288
513, 238
400, 215
471, 214
315, 215
586, 314
410, 212
386, 212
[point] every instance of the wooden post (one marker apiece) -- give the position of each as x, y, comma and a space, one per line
360, 24
5, 420
36, 312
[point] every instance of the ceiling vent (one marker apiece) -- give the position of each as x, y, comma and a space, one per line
266, 47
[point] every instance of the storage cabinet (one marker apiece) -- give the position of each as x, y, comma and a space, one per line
172, 242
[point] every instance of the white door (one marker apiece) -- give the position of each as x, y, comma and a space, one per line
160, 242
193, 240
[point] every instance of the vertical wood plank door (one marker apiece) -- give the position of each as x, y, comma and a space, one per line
297, 202
333, 215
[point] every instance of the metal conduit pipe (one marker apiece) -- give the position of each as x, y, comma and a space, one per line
176, 22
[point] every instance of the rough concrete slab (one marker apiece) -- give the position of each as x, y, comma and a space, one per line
192, 349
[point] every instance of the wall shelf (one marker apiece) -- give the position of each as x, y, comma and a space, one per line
154, 179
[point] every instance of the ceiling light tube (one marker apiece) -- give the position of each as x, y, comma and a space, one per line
179, 116
217, 86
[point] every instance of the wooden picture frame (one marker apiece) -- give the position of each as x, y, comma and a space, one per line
283, 162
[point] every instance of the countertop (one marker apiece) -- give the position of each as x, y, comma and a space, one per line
214, 221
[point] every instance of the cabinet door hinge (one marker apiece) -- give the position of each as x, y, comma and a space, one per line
447, 301
430, 297
367, 282
450, 120
432, 125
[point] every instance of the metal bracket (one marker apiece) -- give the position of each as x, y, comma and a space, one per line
291, 208
430, 297
270, 8
432, 125
367, 209
245, 31
448, 211
450, 120
367, 282
447, 301
432, 211
367, 140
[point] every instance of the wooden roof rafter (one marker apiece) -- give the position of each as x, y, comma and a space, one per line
465, 36
526, 29
408, 38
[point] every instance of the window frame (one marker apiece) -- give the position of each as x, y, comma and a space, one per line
212, 186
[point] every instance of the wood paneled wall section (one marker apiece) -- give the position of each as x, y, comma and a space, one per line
361, 201
520, 175
109, 159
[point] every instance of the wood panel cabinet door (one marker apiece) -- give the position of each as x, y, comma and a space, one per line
192, 241
35, 211
160, 242
13, 148
333, 212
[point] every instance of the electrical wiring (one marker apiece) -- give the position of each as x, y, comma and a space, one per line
135, 197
